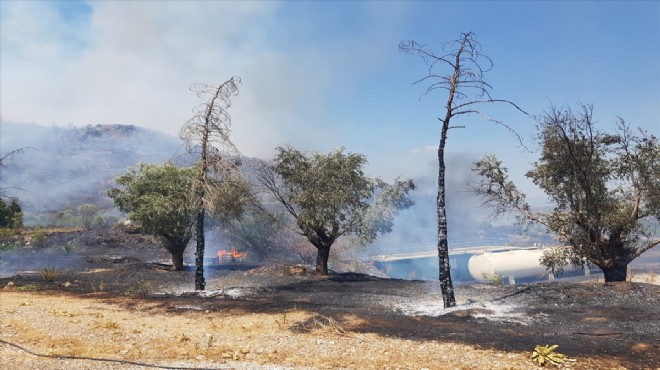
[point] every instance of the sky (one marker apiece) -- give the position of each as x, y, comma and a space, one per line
323, 74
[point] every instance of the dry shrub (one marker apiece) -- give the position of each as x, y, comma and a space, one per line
51, 273
141, 288
321, 323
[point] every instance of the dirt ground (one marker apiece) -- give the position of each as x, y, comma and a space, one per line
115, 305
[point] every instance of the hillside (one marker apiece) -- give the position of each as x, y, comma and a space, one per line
68, 166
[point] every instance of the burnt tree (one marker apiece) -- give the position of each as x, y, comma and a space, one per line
459, 70
207, 134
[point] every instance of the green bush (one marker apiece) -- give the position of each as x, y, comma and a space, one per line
7, 246
38, 238
69, 246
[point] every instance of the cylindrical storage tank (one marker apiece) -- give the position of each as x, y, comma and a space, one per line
521, 264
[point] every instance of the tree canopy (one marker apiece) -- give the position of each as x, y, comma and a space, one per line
161, 200
605, 188
329, 196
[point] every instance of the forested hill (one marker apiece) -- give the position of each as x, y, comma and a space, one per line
64, 167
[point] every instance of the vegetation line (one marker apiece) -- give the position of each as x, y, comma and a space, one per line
67, 357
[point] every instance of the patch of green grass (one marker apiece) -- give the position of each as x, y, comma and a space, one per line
26, 288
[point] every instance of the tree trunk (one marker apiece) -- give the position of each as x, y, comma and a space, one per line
322, 260
616, 273
200, 283
446, 285
177, 260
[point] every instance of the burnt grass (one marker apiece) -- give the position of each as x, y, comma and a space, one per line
596, 320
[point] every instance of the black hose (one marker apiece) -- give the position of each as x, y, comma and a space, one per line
67, 357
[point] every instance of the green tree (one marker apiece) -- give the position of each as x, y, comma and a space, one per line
329, 196
87, 212
5, 217
605, 189
15, 214
64, 218
161, 199
459, 69
11, 215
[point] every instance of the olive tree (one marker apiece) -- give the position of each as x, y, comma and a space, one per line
605, 188
459, 70
161, 200
329, 196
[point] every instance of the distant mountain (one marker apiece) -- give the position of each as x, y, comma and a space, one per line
65, 167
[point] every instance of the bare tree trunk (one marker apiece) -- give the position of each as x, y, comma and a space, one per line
211, 120
322, 260
200, 282
615, 274
467, 64
446, 284
177, 260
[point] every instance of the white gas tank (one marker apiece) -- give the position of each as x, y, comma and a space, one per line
521, 264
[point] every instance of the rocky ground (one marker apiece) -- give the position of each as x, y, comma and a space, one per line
109, 301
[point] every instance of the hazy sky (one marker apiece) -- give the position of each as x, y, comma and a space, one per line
319, 75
